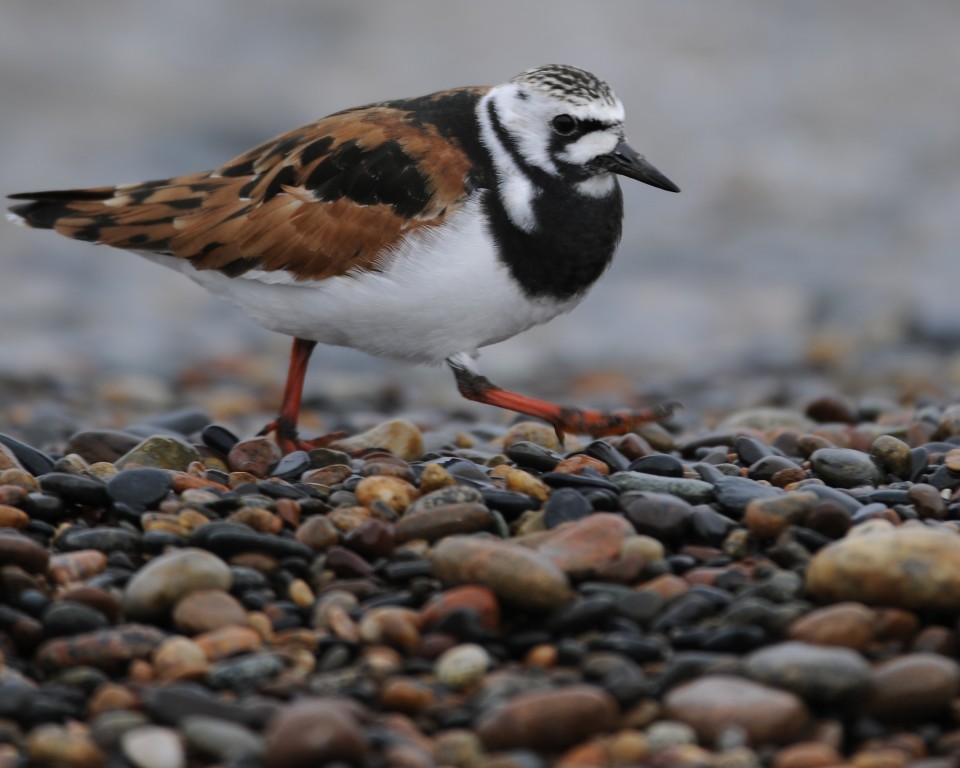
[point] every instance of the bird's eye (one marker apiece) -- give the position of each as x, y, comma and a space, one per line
564, 124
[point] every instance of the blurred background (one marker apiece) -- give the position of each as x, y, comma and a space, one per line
817, 145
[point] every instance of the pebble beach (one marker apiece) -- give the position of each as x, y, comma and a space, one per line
774, 584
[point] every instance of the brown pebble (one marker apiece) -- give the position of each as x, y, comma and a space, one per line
261, 520
435, 477
893, 454
927, 501
59, 745
515, 574
110, 697
207, 609
404, 694
329, 475
480, 600
710, 705
228, 641
76, 566
11, 517
548, 720
768, 517
257, 456
574, 465
179, 658
523, 482
533, 432
95, 597
848, 624
438, 522
395, 492
313, 732
105, 649
397, 627
908, 567
831, 408
401, 437
913, 686
582, 547
667, 585
318, 533
372, 539
17, 549
807, 754
97, 445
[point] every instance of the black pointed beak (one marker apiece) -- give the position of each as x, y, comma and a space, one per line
626, 161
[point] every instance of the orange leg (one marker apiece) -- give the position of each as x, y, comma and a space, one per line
478, 388
285, 425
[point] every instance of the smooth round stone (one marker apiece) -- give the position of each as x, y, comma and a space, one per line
58, 745
771, 516
527, 454
160, 451
735, 493
661, 464
894, 455
156, 587
104, 649
694, 491
257, 456
820, 675
153, 746
97, 445
548, 720
314, 732
227, 539
914, 686
75, 489
101, 538
145, 487
318, 533
401, 437
20, 550
662, 516
453, 494
438, 522
463, 666
709, 526
479, 600
179, 658
291, 466
206, 609
533, 432
35, 462
906, 567
927, 501
565, 505
222, 740
768, 467
750, 450
711, 705
845, 467
395, 492
173, 702
515, 574
66, 617
219, 438
582, 547
245, 673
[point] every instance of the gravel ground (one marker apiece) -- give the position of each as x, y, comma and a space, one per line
769, 579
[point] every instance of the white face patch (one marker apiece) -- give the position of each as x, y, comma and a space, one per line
590, 146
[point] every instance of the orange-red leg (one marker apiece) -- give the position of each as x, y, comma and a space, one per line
285, 425
563, 419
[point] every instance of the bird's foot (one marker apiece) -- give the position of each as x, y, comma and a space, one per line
289, 439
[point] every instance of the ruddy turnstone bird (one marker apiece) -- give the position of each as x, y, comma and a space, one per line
419, 229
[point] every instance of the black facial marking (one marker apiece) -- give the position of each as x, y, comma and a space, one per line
537, 175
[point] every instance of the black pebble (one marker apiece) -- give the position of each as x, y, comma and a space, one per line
661, 464
564, 506
66, 617
219, 438
34, 461
142, 487
75, 489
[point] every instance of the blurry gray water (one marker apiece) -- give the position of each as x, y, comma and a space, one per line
817, 145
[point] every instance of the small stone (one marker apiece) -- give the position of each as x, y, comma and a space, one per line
807, 754
439, 522
894, 455
480, 600
156, 587
97, 445
527, 454
515, 574
913, 568
397, 627
913, 686
105, 649
314, 732
65, 617
162, 452
769, 517
845, 467
75, 566
257, 456
11, 517
205, 609
846, 625
735, 493
583, 547
831, 408
145, 487
548, 720
661, 516
318, 533
711, 705
532, 432
229, 641
395, 492
818, 674
226, 742
519, 481
693, 491
179, 658
401, 437
565, 505
17, 549
152, 746
434, 477
76, 489
462, 667
927, 501
59, 745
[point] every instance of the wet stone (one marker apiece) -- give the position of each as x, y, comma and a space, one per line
105, 649
660, 464
75, 489
913, 686
582, 547
735, 493
174, 702
66, 617
156, 587
437, 522
400, 437
847, 624
206, 609
548, 720
153, 746
818, 674
245, 674
845, 467
565, 505
160, 451
222, 740
101, 444
17, 549
894, 455
102, 539
35, 462
143, 488
693, 491
660, 515
532, 455
770, 516
315, 732
291, 466
219, 438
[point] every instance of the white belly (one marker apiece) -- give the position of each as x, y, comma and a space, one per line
441, 293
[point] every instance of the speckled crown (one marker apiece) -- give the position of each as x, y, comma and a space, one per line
571, 83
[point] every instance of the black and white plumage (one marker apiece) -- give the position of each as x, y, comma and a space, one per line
419, 229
